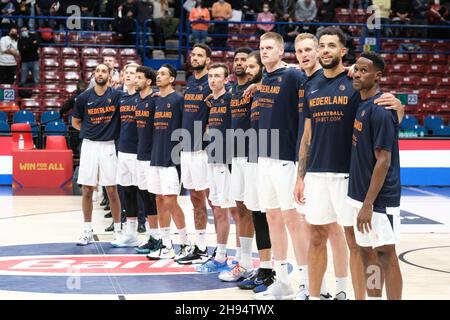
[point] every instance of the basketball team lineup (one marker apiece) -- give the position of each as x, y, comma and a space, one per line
292, 179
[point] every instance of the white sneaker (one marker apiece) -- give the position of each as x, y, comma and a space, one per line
341, 296
276, 291
303, 294
117, 235
126, 240
237, 273
86, 238
162, 253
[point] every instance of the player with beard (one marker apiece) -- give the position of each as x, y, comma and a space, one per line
96, 115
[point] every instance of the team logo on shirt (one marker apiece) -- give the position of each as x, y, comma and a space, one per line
222, 101
168, 106
342, 87
146, 105
279, 79
109, 100
199, 88
363, 113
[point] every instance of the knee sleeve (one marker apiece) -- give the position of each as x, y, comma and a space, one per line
130, 205
261, 230
149, 200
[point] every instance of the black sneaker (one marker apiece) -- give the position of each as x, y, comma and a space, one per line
256, 279
195, 256
152, 245
141, 228
265, 281
108, 215
104, 202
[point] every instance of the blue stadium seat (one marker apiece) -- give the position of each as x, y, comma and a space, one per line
49, 116
420, 130
24, 116
56, 128
442, 131
3, 116
34, 128
432, 122
4, 128
408, 122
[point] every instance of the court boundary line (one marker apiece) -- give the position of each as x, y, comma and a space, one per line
402, 258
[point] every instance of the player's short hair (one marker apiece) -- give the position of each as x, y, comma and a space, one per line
257, 55
273, 36
133, 64
307, 35
204, 47
103, 64
148, 72
376, 58
109, 56
220, 65
172, 70
246, 50
332, 31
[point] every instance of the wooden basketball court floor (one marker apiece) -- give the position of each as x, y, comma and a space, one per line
41, 221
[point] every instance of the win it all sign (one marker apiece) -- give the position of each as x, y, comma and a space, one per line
45, 169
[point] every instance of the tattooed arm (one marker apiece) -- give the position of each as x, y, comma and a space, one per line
305, 148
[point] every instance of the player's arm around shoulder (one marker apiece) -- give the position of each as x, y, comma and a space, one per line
389, 101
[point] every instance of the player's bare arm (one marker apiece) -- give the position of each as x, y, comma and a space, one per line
76, 123
391, 103
304, 153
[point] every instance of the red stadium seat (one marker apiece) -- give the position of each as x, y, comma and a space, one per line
390, 82
50, 91
69, 52
108, 52
70, 89
427, 108
51, 104
128, 52
55, 143
71, 76
30, 104
50, 64
425, 46
437, 70
389, 45
444, 83
409, 83
343, 15
248, 28
438, 96
89, 52
86, 38
70, 64
104, 38
217, 54
50, 52
428, 82
417, 69
398, 69
388, 57
401, 58
50, 77
441, 46
420, 58
439, 59
443, 109
359, 16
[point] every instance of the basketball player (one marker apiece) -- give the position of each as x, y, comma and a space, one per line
127, 158
264, 276
219, 157
240, 123
306, 50
96, 115
374, 184
278, 117
330, 107
193, 158
145, 109
164, 180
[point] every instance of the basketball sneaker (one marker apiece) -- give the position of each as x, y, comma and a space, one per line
277, 291
302, 294
183, 252
257, 278
117, 235
151, 245
267, 282
212, 266
162, 253
86, 238
195, 256
236, 274
340, 296
126, 240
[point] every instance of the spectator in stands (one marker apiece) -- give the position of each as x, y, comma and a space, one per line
249, 10
160, 10
437, 15
43, 9
199, 30
87, 10
420, 17
326, 11
8, 56
29, 55
25, 8
8, 8
385, 12
265, 16
124, 23
305, 10
290, 32
284, 9
221, 11
402, 12
111, 62
358, 4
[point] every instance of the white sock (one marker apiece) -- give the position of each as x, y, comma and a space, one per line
117, 227
183, 236
132, 227
221, 253
341, 284
374, 298
154, 233
200, 239
313, 298
237, 255
323, 286
281, 269
265, 264
165, 236
246, 252
88, 226
303, 270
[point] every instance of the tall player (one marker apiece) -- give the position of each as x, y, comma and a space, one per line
330, 107
127, 158
240, 123
96, 115
306, 50
374, 187
163, 180
219, 158
145, 110
278, 116
193, 158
